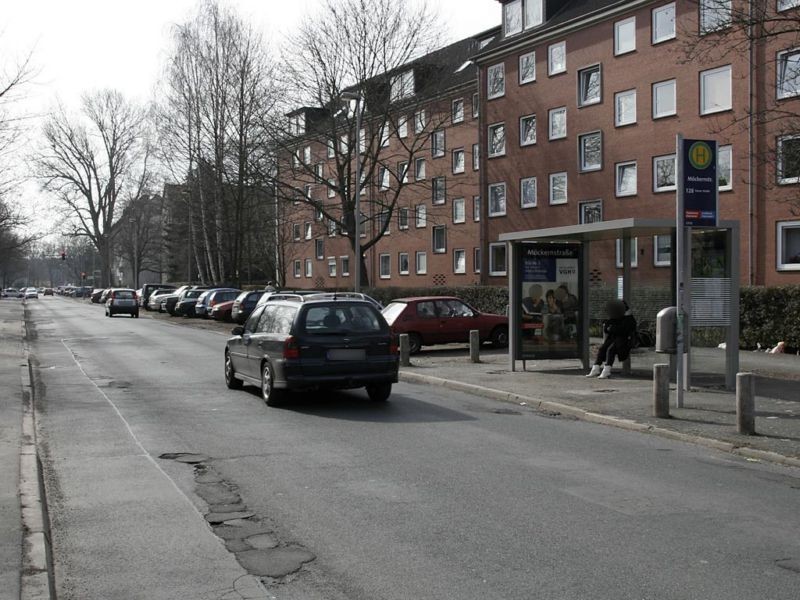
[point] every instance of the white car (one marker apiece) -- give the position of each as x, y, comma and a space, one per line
31, 292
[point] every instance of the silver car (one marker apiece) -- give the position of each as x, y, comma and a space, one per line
122, 301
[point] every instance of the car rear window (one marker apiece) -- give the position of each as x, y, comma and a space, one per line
193, 294
392, 311
340, 319
123, 295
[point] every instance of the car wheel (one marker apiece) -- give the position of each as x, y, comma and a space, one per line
230, 375
414, 343
110, 313
499, 337
379, 392
271, 396
136, 315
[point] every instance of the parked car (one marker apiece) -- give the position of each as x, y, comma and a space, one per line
244, 304
122, 301
148, 289
207, 300
187, 301
221, 311
104, 295
154, 302
292, 344
267, 295
48, 292
30, 292
169, 302
433, 320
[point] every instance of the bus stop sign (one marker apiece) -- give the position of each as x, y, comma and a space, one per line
699, 184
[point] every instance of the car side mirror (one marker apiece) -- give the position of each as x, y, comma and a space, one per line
237, 330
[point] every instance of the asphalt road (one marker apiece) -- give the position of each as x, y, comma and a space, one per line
434, 495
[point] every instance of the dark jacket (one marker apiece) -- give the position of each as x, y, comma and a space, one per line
622, 331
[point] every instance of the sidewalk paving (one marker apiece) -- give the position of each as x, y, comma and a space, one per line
709, 411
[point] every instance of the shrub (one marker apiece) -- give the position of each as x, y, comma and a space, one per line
769, 315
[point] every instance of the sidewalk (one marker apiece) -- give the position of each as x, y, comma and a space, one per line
708, 416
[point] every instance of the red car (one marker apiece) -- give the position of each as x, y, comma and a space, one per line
443, 320
222, 311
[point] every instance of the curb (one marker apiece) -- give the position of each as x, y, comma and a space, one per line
591, 417
36, 579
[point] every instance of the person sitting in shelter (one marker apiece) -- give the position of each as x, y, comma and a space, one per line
533, 305
620, 332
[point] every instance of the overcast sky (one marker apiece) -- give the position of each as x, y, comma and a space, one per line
81, 45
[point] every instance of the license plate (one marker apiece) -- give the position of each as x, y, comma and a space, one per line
347, 354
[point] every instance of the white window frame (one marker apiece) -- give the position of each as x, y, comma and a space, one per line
514, 5
438, 149
527, 181
476, 259
492, 128
402, 171
582, 166
419, 174
780, 82
476, 157
319, 249
785, 180
420, 121
331, 148
385, 260
402, 126
655, 13
617, 114
490, 73
656, 261
583, 206
550, 114
435, 201
456, 269
438, 249
476, 209
402, 215
307, 228
618, 180
456, 115
463, 217
555, 70
523, 57
296, 232
581, 85
781, 227
458, 168
344, 265
706, 7
476, 106
492, 187
787, 5
421, 262
420, 216
704, 110
552, 177
492, 247
526, 13
618, 49
666, 188
634, 253
400, 269
728, 148
298, 268
331, 188
331, 266
522, 141
660, 84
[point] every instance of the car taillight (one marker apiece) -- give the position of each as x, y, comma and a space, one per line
394, 348
111, 295
291, 349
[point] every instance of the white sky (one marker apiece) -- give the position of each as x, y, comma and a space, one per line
83, 45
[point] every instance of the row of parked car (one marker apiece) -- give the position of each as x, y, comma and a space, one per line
26, 292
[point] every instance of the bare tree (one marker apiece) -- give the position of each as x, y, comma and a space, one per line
91, 161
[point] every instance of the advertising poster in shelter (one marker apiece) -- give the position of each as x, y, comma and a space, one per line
550, 318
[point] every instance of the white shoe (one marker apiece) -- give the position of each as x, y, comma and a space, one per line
595, 371
606, 372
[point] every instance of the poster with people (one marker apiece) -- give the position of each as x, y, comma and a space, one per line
550, 308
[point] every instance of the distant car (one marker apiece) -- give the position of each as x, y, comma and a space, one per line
156, 297
122, 301
244, 304
433, 320
208, 299
169, 301
95, 295
148, 289
104, 295
187, 301
267, 295
48, 292
221, 311
294, 344
30, 292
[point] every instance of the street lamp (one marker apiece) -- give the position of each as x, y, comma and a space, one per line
357, 220
132, 222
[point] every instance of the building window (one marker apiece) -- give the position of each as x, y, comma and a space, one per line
527, 68
318, 216
789, 159
421, 215
437, 143
318, 170
309, 268
625, 108
558, 123
626, 178
589, 85
496, 81
331, 188
590, 146
402, 172
459, 210
590, 212
439, 239
527, 130
558, 188
715, 15
663, 23
662, 250
788, 250
297, 267
457, 110
476, 106
402, 263
497, 140
383, 178
296, 232
385, 221
402, 126
344, 262
402, 218
663, 99
715, 90
438, 190
458, 160
319, 249
331, 145
497, 259
557, 58
385, 266
625, 36
497, 199
297, 124
789, 73
344, 144
476, 157
634, 253
664, 173
527, 192
476, 260
459, 261
420, 121
725, 167
402, 85
385, 133
307, 155
512, 17
331, 228
533, 13
421, 263
476, 208
307, 228
419, 169
787, 4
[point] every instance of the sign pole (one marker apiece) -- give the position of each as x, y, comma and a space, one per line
680, 240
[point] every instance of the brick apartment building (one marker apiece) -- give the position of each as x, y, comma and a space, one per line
570, 117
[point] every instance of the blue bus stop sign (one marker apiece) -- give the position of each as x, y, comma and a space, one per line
699, 185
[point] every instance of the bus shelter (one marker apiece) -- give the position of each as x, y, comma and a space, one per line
548, 254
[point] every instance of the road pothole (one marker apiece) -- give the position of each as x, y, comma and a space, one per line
249, 536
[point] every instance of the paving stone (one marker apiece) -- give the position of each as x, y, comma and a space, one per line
228, 532
208, 478
262, 541
276, 562
192, 459
237, 545
227, 508
216, 493
222, 517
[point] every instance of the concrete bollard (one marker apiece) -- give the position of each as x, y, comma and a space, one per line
474, 345
405, 351
661, 391
745, 403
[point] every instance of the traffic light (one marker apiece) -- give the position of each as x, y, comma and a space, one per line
63, 255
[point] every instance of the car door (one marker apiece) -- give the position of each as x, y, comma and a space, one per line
239, 346
455, 319
427, 321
